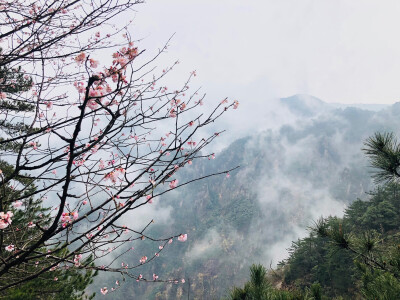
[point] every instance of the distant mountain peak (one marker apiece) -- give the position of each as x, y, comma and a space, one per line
305, 105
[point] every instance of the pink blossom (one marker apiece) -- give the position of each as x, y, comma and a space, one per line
172, 113
173, 183
77, 259
143, 259
93, 63
49, 104
94, 149
113, 176
65, 218
33, 145
3, 95
235, 104
92, 104
182, 237
183, 280
5, 219
31, 225
155, 277
104, 290
75, 215
79, 86
80, 58
10, 248
17, 204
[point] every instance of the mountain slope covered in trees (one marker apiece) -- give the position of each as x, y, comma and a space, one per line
288, 178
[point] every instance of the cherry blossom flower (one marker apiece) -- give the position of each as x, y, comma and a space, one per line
17, 204
155, 277
92, 104
235, 104
113, 175
49, 104
77, 259
104, 290
173, 183
10, 248
80, 58
143, 259
172, 113
5, 219
93, 63
75, 215
33, 145
66, 218
31, 225
182, 237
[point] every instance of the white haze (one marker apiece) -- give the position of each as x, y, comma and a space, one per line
258, 52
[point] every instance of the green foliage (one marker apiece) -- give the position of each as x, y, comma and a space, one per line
354, 256
61, 283
383, 151
379, 285
259, 288
68, 284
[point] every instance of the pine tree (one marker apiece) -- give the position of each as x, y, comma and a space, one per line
27, 224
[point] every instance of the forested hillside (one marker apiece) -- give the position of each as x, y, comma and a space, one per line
288, 178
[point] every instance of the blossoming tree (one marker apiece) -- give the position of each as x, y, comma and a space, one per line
103, 136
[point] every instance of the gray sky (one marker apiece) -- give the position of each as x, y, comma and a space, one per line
255, 50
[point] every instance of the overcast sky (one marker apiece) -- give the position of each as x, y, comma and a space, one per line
254, 50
